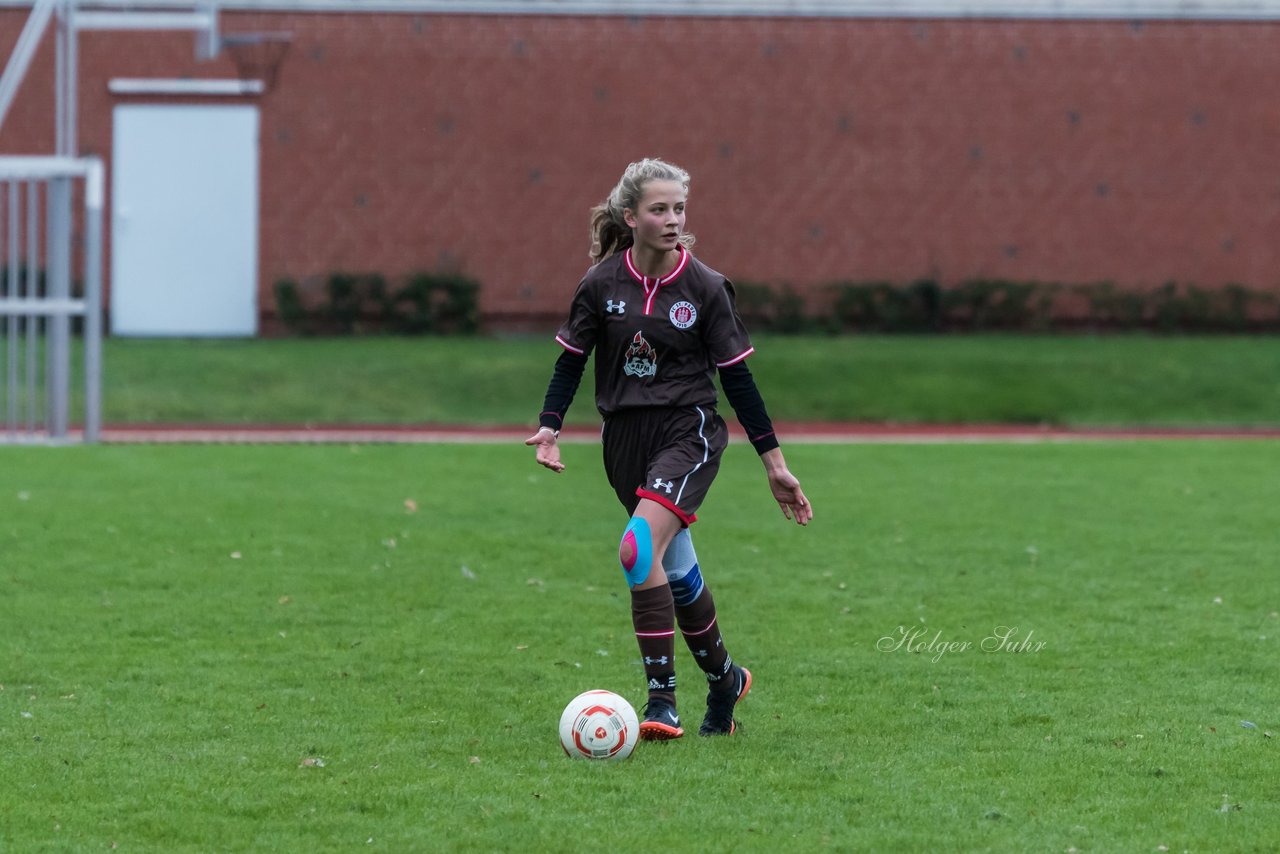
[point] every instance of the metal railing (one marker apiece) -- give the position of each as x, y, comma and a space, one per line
38, 249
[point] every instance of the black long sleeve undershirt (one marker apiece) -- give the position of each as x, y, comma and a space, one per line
743, 395
560, 391
739, 389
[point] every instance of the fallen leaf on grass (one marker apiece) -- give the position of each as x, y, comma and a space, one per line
235, 555
410, 506
312, 762
467, 573
474, 760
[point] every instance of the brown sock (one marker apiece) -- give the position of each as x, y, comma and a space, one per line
653, 615
701, 632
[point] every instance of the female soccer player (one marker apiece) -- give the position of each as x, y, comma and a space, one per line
661, 323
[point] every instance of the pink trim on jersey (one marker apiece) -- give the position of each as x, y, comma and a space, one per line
687, 518
565, 344
651, 285
736, 359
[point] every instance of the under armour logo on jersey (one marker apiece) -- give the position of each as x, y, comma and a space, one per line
648, 660
659, 484
620, 307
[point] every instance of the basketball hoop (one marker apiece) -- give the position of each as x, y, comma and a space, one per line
258, 56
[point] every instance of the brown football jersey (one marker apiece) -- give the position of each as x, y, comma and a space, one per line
658, 342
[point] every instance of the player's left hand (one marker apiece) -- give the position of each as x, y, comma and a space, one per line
790, 497
548, 453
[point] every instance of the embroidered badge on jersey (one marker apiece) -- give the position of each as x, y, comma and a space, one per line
683, 315
618, 307
641, 360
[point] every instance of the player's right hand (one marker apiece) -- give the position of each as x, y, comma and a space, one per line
548, 449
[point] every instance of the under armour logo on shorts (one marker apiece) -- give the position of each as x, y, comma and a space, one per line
658, 484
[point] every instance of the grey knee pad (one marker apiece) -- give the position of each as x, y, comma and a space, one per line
680, 563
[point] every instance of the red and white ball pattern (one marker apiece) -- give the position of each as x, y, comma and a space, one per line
599, 725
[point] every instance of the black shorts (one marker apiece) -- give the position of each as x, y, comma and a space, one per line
666, 454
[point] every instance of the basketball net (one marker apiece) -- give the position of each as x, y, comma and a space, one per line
258, 56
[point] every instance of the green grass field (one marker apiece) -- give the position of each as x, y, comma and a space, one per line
268, 649
1063, 381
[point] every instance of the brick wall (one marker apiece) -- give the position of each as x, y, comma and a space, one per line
820, 149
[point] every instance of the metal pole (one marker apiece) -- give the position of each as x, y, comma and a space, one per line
11, 290
33, 292
71, 146
59, 289
11, 379
93, 203
60, 79
23, 52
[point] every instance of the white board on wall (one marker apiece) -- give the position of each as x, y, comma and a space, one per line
184, 220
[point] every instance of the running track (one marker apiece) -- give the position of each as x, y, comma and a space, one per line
789, 433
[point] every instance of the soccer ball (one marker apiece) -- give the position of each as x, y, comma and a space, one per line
599, 725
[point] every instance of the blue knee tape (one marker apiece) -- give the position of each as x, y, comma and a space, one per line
681, 566
637, 536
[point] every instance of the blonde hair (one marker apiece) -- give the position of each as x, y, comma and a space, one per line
610, 233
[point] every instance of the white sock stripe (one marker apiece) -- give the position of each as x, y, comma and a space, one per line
703, 630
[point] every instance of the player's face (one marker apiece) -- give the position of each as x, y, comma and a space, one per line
658, 220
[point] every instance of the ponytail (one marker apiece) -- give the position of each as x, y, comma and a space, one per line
609, 232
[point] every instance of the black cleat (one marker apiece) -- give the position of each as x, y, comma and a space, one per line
720, 705
661, 723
